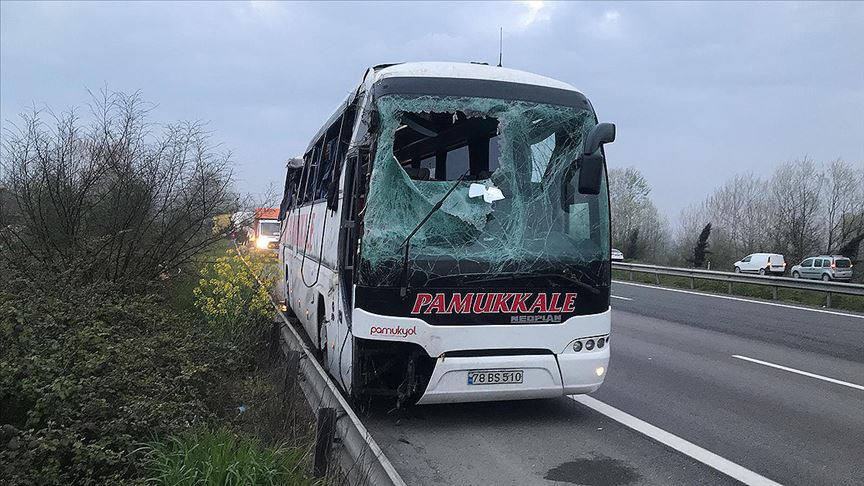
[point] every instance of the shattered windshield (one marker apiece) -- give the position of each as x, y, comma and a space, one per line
505, 216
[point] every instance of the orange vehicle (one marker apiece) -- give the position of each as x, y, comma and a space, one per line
266, 229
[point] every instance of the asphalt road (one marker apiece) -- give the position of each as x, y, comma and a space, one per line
703, 368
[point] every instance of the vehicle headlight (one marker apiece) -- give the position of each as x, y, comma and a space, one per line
261, 243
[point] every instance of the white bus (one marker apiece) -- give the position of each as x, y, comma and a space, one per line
445, 237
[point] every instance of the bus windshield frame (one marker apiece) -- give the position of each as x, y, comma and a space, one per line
506, 217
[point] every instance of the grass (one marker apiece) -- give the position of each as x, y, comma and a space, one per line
805, 297
219, 457
267, 443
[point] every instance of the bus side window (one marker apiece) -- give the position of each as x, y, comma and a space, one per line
312, 180
328, 157
289, 194
303, 181
343, 138
328, 161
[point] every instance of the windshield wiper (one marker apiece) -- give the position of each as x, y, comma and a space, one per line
407, 243
591, 287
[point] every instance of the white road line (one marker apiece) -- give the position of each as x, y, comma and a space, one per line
705, 294
805, 373
704, 456
619, 297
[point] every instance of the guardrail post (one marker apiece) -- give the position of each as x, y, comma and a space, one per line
631, 275
692, 283
657, 278
730, 288
774, 292
291, 384
292, 368
275, 344
828, 299
324, 440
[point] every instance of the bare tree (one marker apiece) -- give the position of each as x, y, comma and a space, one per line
844, 203
114, 198
628, 191
804, 209
739, 214
795, 228
654, 236
636, 224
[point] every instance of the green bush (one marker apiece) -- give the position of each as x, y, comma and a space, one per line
88, 373
205, 457
229, 297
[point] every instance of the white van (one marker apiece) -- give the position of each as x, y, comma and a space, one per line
761, 263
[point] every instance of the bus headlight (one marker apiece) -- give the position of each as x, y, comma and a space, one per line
599, 371
589, 344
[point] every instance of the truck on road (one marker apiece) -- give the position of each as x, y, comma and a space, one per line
265, 229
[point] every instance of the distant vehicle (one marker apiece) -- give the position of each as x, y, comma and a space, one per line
267, 228
617, 256
761, 263
824, 267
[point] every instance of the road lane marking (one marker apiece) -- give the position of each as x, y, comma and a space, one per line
705, 294
805, 373
688, 448
619, 297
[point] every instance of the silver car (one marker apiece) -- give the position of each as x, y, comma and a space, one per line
824, 267
617, 256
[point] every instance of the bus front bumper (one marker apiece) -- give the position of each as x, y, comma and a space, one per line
543, 376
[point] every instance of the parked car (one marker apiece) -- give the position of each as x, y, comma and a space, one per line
761, 263
617, 256
825, 267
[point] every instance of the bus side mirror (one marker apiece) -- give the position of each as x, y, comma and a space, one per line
601, 134
590, 173
591, 162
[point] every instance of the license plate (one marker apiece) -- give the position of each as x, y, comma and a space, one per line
495, 377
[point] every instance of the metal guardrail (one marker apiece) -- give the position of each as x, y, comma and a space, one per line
361, 459
732, 278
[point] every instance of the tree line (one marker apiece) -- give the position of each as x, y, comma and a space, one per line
803, 208
110, 195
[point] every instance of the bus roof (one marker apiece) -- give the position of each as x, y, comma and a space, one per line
439, 69
465, 71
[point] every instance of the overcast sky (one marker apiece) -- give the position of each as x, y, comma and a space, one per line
699, 91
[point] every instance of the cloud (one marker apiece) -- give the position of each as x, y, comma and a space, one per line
608, 26
538, 11
689, 84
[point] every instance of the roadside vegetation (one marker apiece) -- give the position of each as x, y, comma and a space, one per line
135, 345
803, 209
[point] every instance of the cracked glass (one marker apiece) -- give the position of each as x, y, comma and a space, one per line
505, 215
